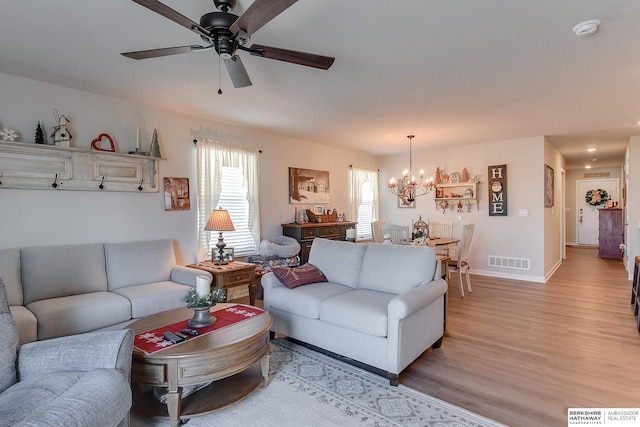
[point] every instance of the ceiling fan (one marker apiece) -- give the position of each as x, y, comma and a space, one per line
227, 34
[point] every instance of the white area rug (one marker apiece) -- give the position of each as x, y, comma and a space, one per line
307, 388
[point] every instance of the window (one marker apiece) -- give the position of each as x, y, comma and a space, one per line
228, 179
364, 200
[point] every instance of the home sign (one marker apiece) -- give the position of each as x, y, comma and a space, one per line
498, 190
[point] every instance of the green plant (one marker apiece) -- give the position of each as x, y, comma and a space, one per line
194, 300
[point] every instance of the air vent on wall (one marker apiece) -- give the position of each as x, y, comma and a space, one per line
508, 262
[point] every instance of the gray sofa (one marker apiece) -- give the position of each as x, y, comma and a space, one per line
55, 291
73, 381
383, 305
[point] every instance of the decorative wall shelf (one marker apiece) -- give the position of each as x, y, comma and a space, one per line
452, 193
36, 166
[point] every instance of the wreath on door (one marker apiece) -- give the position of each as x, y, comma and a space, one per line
596, 197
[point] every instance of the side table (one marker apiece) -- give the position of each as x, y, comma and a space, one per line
232, 275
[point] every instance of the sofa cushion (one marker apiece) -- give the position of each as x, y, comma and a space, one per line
298, 276
153, 298
10, 273
304, 301
79, 313
26, 323
60, 271
9, 347
99, 397
360, 310
339, 261
396, 268
138, 263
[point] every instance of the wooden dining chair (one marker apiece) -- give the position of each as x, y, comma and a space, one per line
461, 263
395, 231
375, 231
441, 228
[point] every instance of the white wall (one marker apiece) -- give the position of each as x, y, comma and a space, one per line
510, 236
49, 217
553, 218
633, 203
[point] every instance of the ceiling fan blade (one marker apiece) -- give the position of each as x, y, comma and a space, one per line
295, 57
237, 72
259, 13
156, 53
171, 14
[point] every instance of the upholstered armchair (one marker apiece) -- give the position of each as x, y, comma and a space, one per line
79, 380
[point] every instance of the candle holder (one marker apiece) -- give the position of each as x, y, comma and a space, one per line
201, 306
201, 317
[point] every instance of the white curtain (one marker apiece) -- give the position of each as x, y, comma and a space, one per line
211, 157
369, 211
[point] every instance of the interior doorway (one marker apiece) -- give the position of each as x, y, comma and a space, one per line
588, 215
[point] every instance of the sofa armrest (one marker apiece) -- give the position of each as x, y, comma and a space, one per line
187, 275
414, 300
269, 281
84, 352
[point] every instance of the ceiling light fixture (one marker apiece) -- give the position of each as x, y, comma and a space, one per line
588, 167
586, 28
591, 150
408, 188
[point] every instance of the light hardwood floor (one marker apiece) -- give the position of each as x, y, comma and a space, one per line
522, 353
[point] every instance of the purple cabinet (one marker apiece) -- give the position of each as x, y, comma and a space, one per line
611, 234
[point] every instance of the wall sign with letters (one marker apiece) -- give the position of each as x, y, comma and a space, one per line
498, 190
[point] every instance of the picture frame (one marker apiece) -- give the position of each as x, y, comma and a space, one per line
318, 210
549, 193
308, 186
228, 253
176, 194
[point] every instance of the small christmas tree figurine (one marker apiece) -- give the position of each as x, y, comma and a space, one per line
154, 151
39, 135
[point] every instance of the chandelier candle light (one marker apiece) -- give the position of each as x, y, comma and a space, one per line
408, 188
219, 221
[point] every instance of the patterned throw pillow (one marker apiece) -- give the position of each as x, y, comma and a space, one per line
298, 276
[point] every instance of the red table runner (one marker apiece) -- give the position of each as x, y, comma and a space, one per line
153, 341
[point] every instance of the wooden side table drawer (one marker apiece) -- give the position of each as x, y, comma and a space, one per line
238, 278
330, 231
309, 233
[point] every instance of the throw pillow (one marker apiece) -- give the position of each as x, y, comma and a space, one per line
9, 337
298, 276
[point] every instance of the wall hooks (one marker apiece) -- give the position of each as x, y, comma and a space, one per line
55, 182
140, 186
101, 186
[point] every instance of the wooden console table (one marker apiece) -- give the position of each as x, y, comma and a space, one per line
305, 233
232, 275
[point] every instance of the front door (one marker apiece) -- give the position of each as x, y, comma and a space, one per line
588, 215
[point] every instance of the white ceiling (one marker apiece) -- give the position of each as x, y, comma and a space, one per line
448, 71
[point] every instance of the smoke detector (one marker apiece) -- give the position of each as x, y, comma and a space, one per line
586, 28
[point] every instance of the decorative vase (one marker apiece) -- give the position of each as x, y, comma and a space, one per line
201, 317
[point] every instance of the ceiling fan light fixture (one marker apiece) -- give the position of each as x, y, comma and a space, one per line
586, 28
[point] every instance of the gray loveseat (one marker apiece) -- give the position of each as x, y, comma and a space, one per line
81, 380
63, 290
383, 305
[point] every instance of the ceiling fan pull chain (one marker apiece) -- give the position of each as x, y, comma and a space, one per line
219, 83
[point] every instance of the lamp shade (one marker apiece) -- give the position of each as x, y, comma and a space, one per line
219, 221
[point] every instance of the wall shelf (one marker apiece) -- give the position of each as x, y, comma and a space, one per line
37, 166
452, 193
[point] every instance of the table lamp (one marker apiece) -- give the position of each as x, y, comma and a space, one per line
219, 221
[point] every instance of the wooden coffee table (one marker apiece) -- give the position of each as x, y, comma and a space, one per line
235, 358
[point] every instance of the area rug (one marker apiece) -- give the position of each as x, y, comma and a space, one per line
307, 388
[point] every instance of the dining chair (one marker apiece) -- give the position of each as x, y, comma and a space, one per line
441, 228
461, 263
396, 232
375, 231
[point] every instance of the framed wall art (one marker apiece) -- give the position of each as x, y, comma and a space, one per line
548, 186
308, 186
176, 194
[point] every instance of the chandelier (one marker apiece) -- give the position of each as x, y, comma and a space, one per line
408, 187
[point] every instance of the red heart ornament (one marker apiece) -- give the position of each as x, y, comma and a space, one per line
95, 143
